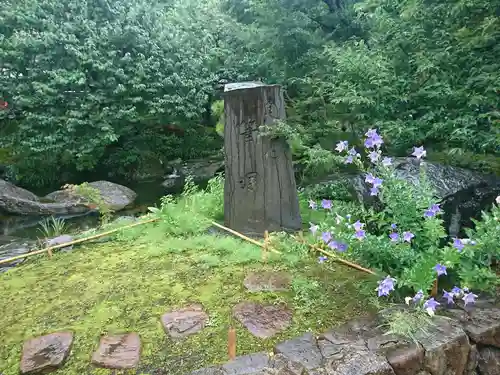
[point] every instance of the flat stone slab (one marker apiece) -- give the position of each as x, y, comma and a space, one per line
46, 353
184, 322
118, 351
255, 364
262, 321
303, 350
268, 281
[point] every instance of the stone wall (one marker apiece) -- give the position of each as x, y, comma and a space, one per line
459, 342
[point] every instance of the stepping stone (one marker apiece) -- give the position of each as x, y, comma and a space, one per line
268, 281
184, 322
46, 353
262, 321
118, 351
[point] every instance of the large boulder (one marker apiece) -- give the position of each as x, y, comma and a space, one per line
116, 196
200, 169
463, 193
18, 201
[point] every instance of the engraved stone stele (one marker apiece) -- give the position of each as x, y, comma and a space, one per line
260, 191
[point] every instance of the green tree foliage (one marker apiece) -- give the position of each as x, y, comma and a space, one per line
97, 83
84, 75
427, 72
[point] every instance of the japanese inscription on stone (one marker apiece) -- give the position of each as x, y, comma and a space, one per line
247, 130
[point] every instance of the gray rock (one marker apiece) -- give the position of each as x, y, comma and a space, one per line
60, 240
268, 281
11, 247
116, 196
18, 201
303, 350
489, 361
463, 193
446, 347
185, 321
262, 321
472, 361
482, 325
357, 347
251, 364
200, 169
118, 351
46, 353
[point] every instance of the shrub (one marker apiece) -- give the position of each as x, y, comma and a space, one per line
407, 244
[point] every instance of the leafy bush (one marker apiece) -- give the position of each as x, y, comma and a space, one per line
407, 245
93, 198
194, 211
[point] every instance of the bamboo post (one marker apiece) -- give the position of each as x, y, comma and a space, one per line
266, 244
80, 240
231, 343
337, 259
242, 236
434, 290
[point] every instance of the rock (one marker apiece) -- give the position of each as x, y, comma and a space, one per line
262, 321
462, 193
200, 169
255, 364
184, 322
18, 201
11, 247
303, 350
446, 347
46, 353
489, 361
472, 361
59, 240
482, 325
247, 364
284, 366
358, 347
118, 351
268, 281
116, 196
405, 357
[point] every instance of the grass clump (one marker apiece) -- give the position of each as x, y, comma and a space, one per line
126, 284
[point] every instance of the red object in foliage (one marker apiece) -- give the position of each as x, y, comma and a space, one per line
3, 104
173, 129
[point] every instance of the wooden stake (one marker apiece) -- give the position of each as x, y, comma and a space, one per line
434, 291
337, 259
49, 252
266, 244
231, 343
80, 240
242, 236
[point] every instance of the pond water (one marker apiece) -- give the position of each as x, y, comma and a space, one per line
28, 227
19, 233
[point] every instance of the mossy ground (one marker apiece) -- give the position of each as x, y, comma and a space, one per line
127, 283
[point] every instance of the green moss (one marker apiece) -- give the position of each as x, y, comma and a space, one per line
127, 284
